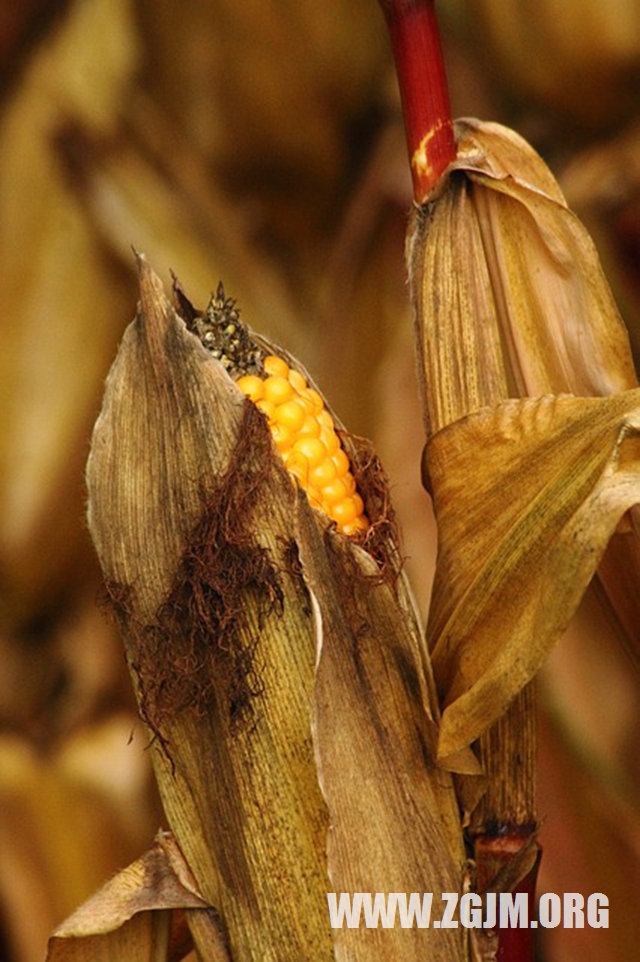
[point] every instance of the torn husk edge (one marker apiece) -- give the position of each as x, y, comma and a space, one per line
145, 911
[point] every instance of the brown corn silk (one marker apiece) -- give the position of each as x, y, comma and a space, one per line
510, 302
278, 664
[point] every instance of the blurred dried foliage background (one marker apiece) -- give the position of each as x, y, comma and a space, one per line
261, 143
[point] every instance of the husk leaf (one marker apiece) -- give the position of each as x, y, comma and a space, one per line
508, 292
509, 300
134, 915
527, 494
393, 813
560, 328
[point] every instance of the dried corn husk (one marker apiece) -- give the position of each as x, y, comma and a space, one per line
374, 729
510, 300
201, 535
146, 911
520, 541
242, 798
507, 288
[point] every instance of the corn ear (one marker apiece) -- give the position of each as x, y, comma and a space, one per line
508, 293
277, 661
509, 301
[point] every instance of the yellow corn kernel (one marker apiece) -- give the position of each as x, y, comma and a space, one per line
291, 414
252, 386
344, 512
310, 428
277, 389
276, 366
349, 482
267, 407
341, 462
314, 399
312, 449
305, 435
330, 439
282, 436
297, 381
309, 405
325, 419
323, 473
334, 492
297, 465
361, 523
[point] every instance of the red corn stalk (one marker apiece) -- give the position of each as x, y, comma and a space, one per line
422, 79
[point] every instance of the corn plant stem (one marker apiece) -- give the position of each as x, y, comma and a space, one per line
415, 39
507, 753
520, 944
505, 819
514, 944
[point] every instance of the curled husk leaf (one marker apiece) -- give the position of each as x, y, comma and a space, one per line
149, 909
527, 495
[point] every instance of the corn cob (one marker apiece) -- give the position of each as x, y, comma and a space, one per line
302, 429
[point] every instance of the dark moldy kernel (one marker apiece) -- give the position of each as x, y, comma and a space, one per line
222, 332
